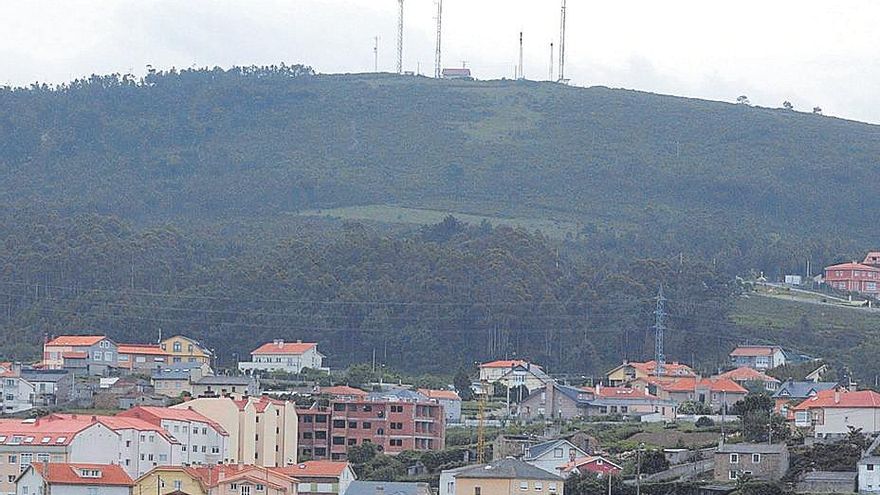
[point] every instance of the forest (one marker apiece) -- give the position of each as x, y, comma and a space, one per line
174, 201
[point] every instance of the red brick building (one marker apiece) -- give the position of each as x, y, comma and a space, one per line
314, 433
853, 277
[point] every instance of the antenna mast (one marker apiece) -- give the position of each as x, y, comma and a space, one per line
437, 70
400, 38
562, 44
520, 57
551, 62
375, 54
659, 328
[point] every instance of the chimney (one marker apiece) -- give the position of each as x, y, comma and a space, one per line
299, 341
598, 388
837, 396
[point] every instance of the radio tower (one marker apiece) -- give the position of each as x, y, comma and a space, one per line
400, 38
659, 328
437, 71
520, 57
376, 54
562, 44
551, 62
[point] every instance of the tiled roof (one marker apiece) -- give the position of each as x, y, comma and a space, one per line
151, 350
171, 414
508, 468
690, 384
48, 430
295, 348
8, 370
62, 473
210, 476
439, 394
833, 398
76, 340
852, 266
116, 423
669, 369
343, 390
583, 461
746, 374
801, 390
619, 393
315, 469
507, 364
754, 350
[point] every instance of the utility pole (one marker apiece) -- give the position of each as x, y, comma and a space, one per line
639, 469
400, 38
562, 44
521, 56
659, 328
375, 54
550, 78
437, 69
481, 426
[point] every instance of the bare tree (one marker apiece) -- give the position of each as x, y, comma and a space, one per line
787, 105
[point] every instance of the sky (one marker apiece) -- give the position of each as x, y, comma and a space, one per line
809, 52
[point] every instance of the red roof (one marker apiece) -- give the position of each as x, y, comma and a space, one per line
583, 461
754, 350
62, 473
210, 475
439, 394
620, 393
115, 423
8, 370
148, 413
153, 350
746, 374
316, 469
833, 398
512, 363
281, 347
852, 266
54, 429
669, 369
76, 340
690, 384
343, 390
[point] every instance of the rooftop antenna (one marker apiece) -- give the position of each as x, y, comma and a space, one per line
376, 54
400, 37
659, 328
562, 44
520, 56
551, 62
437, 71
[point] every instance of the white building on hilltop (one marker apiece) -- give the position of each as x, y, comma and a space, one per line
290, 357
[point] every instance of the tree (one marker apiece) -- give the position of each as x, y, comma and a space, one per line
591, 484
743, 100
362, 454
704, 422
817, 110
753, 402
694, 407
653, 461
462, 382
787, 105
358, 375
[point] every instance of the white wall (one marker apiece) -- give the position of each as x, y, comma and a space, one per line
869, 481
141, 451
204, 444
96, 444
838, 420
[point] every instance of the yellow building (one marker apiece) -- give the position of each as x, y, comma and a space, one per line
163, 480
629, 371
185, 350
237, 479
504, 477
262, 431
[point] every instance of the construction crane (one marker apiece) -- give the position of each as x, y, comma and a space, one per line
400, 38
437, 69
481, 422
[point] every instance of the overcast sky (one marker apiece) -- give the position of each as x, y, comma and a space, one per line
811, 52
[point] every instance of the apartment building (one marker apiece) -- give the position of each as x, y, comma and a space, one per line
314, 432
141, 358
82, 354
203, 440
185, 350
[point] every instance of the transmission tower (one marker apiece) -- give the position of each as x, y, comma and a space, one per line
376, 54
520, 57
562, 43
437, 70
551, 62
659, 328
400, 38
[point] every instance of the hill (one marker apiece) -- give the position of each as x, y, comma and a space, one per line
254, 203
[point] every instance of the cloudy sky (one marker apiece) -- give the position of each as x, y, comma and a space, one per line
811, 52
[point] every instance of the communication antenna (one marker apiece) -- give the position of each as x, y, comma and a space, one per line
376, 54
437, 70
551, 62
659, 328
400, 38
520, 56
562, 44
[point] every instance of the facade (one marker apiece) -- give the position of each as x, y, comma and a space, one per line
204, 441
630, 370
343, 392
289, 357
553, 455
827, 482
51, 387
224, 385
598, 465
505, 476
239, 479
178, 378
514, 373
791, 393
182, 349
868, 469
831, 413
321, 477
82, 354
760, 461
759, 357
720, 394
165, 480
139, 358
751, 379
262, 431
314, 432
853, 277
73, 479
17, 394
388, 488
566, 402
450, 401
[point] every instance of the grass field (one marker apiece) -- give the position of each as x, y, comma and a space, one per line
419, 216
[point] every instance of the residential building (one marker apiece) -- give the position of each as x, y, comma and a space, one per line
82, 354
832, 413
52, 439
17, 394
141, 399
872, 259
868, 469
342, 392
314, 432
505, 476
552, 455
142, 358
631, 370
73, 479
262, 431
717, 393
827, 482
751, 379
759, 461
513, 374
457, 73
395, 424
791, 393
289, 357
204, 440
178, 379
388, 488
225, 385
321, 477
246, 480
51, 387
567, 402
512, 446
185, 350
598, 465
853, 277
450, 401
165, 480
759, 357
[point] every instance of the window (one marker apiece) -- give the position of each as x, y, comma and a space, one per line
11, 478
557, 453
178, 484
551, 487
380, 431
260, 488
756, 458
368, 408
307, 435
731, 475
477, 491
339, 407
43, 457
321, 419
523, 485
245, 489
870, 467
734, 459
352, 441
338, 440
539, 486
339, 423
367, 425
352, 424
99, 355
307, 418
177, 347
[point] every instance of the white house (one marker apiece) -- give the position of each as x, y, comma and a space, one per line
514, 373
831, 413
553, 455
869, 469
18, 393
203, 440
759, 357
73, 479
290, 357
450, 401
